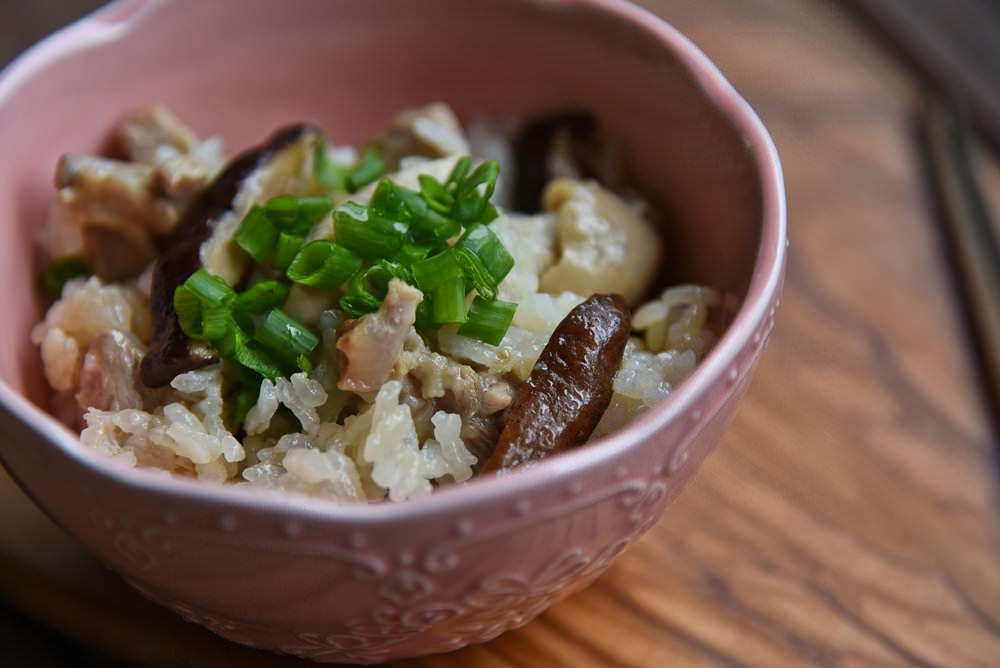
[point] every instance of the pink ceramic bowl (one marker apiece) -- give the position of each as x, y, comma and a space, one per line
367, 584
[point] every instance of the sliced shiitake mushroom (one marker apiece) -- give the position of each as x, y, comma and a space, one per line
204, 237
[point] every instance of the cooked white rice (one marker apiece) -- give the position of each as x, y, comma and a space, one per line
401, 442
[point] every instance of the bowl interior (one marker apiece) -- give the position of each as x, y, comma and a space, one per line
239, 69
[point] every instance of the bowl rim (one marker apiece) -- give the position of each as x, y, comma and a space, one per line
118, 18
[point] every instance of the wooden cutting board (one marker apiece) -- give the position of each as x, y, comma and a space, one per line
850, 515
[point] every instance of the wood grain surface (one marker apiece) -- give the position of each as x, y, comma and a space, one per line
850, 516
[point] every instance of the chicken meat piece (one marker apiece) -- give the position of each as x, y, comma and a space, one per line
368, 349
114, 213
145, 134
432, 131
109, 378
606, 246
155, 136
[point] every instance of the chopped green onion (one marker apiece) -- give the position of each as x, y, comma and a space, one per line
367, 288
458, 172
469, 207
357, 305
435, 229
368, 235
331, 175
425, 315
284, 335
188, 309
297, 215
60, 272
240, 404
314, 207
216, 321
304, 363
436, 195
489, 214
211, 290
486, 245
395, 202
366, 171
288, 247
477, 273
487, 174
261, 297
237, 346
435, 270
488, 320
199, 319
448, 302
410, 253
323, 264
257, 235
283, 206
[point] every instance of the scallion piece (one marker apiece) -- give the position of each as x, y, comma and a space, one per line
60, 272
411, 253
304, 363
323, 264
198, 319
489, 214
284, 335
487, 246
296, 215
257, 235
395, 202
367, 170
261, 297
487, 174
238, 347
283, 207
331, 175
488, 321
211, 290
434, 229
448, 302
357, 305
365, 233
476, 272
286, 250
469, 207
458, 173
436, 195
435, 270
425, 316
240, 404
187, 306
367, 288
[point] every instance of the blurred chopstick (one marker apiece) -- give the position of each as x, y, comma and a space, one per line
948, 152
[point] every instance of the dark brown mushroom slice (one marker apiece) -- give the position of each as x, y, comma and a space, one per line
170, 353
563, 144
570, 387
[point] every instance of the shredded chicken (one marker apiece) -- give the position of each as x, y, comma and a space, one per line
369, 349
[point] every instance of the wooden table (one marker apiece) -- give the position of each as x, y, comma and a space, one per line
850, 517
